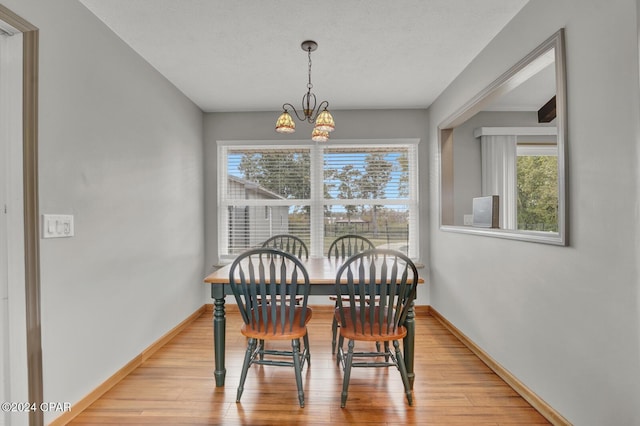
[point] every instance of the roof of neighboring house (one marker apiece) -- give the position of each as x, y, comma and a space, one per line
254, 186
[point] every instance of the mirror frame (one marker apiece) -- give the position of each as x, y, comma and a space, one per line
503, 84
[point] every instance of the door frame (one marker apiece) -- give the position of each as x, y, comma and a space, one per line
30, 48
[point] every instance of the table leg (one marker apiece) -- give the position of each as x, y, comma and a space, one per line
219, 326
409, 345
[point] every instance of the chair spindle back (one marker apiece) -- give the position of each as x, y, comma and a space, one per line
288, 243
376, 288
264, 273
348, 245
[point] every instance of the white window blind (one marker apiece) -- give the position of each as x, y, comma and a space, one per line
317, 192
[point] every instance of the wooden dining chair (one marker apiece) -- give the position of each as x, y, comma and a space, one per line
263, 273
392, 277
341, 248
288, 243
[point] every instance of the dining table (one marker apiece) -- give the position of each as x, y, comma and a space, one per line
322, 277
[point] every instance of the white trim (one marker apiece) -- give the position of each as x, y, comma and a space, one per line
258, 143
515, 131
537, 150
510, 234
317, 206
7, 29
257, 202
307, 143
223, 229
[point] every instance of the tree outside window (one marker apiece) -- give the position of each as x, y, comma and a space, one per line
537, 208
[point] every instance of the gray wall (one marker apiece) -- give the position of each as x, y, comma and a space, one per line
121, 150
564, 320
375, 124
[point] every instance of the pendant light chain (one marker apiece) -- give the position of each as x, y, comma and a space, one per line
309, 85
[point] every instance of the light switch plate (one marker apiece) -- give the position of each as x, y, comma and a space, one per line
57, 226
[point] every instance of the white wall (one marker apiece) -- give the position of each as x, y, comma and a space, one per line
564, 320
121, 149
377, 124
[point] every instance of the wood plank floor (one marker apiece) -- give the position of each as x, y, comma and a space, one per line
176, 386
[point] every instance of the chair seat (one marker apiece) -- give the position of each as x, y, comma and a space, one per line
290, 331
371, 332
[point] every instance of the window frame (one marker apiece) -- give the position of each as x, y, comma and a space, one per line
316, 202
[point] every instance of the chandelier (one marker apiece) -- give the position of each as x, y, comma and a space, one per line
321, 116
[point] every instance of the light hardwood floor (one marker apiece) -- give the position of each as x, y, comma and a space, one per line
175, 386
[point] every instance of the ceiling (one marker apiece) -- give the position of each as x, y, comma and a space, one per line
245, 55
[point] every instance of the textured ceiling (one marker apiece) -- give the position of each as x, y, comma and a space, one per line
245, 55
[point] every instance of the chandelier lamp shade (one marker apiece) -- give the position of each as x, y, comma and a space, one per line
319, 135
320, 117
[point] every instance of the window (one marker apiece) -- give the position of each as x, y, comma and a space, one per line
318, 192
537, 183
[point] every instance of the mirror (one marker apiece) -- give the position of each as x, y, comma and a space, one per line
505, 150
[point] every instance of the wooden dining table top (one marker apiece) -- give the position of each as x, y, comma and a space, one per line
321, 270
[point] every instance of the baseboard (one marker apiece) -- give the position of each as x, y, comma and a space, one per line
84, 403
527, 394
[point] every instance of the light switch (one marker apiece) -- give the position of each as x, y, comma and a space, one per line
57, 226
